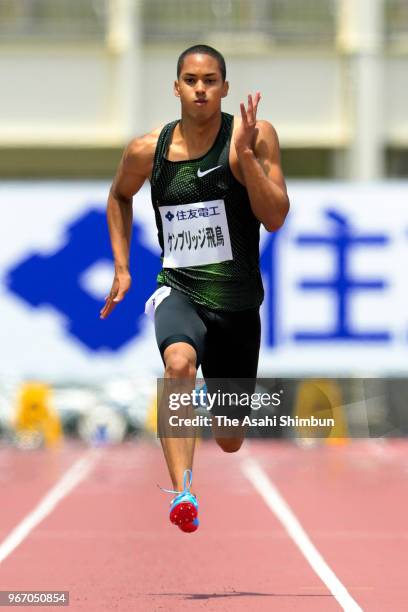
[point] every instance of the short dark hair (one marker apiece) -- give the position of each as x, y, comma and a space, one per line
205, 50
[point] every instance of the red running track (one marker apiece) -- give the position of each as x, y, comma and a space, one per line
110, 544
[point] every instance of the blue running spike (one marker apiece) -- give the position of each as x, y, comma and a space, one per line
184, 507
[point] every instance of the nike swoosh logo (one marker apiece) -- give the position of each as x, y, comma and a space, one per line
200, 174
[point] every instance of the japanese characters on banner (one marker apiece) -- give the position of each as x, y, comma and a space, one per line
336, 288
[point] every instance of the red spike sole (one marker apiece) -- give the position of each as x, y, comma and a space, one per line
183, 513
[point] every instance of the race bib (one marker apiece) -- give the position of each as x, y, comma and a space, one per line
195, 234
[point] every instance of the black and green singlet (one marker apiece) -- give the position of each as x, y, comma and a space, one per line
232, 285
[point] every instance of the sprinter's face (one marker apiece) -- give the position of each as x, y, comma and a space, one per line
200, 86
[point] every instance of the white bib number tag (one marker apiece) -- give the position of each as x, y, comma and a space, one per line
155, 299
195, 234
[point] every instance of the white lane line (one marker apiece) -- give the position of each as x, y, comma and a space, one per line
270, 494
72, 477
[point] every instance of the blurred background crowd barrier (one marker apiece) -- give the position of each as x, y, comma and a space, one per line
80, 78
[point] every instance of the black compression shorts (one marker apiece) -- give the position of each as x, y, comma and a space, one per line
227, 343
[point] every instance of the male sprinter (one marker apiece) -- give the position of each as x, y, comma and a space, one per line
214, 179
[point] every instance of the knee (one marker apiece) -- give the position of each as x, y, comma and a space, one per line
179, 366
230, 445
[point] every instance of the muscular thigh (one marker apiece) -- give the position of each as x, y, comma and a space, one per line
177, 320
230, 360
232, 345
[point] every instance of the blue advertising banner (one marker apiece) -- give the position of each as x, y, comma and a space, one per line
336, 292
